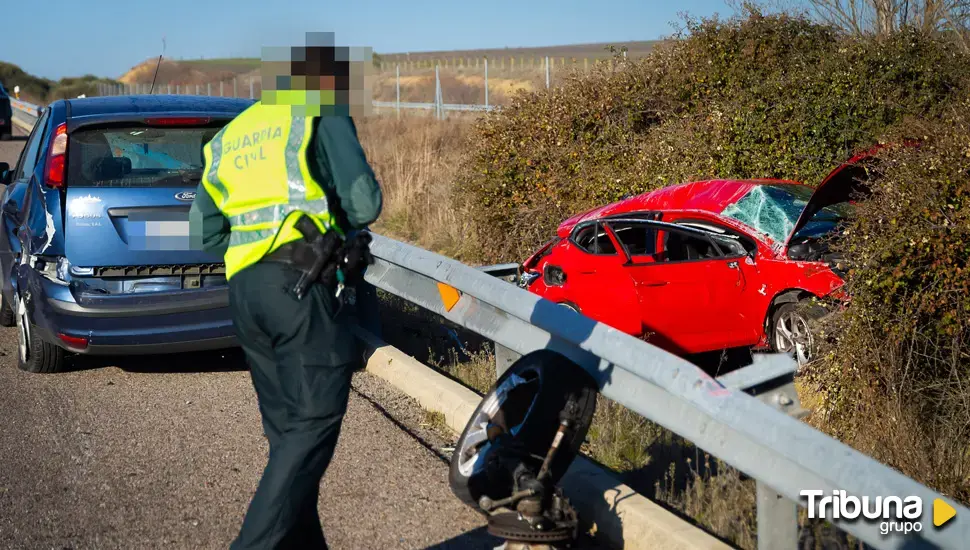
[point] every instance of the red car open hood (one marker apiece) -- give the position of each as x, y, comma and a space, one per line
843, 184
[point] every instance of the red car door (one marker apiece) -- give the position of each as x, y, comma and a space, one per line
688, 291
587, 272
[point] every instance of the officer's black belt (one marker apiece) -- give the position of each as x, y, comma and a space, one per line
298, 254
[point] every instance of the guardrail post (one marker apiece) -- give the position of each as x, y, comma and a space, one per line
777, 520
777, 515
504, 357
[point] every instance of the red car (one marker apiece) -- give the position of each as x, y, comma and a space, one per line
703, 266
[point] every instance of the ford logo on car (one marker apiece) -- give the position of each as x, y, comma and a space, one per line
185, 196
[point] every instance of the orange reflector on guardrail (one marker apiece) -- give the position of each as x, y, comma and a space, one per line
449, 295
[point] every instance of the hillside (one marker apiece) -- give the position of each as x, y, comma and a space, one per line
578, 51
42, 90
32, 88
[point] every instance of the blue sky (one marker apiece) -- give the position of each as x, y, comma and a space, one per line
107, 37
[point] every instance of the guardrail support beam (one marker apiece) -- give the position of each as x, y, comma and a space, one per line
777, 515
777, 520
504, 357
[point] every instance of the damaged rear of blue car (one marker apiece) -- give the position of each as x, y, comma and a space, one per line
96, 254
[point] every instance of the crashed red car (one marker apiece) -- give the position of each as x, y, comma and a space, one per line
704, 266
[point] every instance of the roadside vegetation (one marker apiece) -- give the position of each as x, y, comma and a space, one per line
758, 96
42, 91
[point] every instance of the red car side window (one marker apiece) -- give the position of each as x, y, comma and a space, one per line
639, 240
594, 240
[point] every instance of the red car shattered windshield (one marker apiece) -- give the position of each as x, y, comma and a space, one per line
773, 210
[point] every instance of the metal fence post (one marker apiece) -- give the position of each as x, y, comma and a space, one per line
486, 83
547, 72
221, 87
168, 89
178, 89
398, 86
252, 92
437, 94
208, 88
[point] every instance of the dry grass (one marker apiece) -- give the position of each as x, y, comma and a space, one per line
724, 503
416, 158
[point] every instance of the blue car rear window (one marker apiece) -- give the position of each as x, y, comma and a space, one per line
137, 157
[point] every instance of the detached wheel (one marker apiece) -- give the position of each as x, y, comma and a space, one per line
35, 355
520, 415
791, 333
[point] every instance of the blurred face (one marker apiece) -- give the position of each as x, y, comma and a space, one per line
318, 79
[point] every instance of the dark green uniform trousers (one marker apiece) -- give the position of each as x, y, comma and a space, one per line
301, 355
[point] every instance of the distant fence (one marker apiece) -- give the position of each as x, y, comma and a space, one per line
502, 63
249, 85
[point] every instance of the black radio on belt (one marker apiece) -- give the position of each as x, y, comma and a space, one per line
336, 262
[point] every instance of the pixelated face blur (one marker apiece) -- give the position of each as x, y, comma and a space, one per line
317, 79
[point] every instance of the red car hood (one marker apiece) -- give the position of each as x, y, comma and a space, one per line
841, 185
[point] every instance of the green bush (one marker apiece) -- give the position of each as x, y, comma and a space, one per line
44, 91
782, 97
71, 87
895, 377
760, 96
31, 87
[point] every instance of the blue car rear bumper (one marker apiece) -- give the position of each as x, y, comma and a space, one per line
132, 324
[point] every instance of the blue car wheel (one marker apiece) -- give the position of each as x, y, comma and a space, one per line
34, 354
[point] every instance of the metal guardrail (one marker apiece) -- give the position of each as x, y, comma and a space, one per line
26, 113
751, 433
783, 454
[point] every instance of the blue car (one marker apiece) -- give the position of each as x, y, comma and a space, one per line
95, 254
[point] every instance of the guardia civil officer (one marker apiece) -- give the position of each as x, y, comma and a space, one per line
279, 191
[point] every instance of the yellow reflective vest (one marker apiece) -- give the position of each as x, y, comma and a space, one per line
257, 174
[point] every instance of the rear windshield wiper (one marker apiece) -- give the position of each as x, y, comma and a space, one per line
183, 176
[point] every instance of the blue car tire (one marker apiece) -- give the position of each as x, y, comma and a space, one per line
33, 353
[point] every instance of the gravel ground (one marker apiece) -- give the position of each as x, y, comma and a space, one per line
166, 452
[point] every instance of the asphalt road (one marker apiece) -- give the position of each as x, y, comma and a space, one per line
166, 452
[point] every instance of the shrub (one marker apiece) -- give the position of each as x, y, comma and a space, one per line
760, 96
895, 379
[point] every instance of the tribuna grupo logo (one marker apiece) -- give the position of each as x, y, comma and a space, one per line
894, 514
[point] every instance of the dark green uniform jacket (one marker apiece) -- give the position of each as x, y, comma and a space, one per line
336, 160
